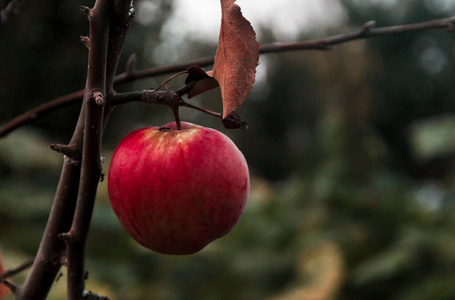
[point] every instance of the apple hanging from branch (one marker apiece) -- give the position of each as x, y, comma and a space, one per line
175, 191
178, 187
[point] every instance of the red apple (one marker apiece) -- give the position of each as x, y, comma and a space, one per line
175, 191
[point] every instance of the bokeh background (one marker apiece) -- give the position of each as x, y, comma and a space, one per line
351, 151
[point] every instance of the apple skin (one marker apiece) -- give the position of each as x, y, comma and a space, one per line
175, 191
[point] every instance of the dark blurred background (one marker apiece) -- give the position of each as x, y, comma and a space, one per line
351, 153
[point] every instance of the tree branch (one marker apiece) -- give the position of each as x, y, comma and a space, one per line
12, 287
147, 96
366, 31
168, 98
130, 74
122, 15
48, 261
40, 112
14, 271
117, 36
49, 257
94, 101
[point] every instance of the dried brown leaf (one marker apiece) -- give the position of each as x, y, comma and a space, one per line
236, 58
203, 81
235, 63
234, 121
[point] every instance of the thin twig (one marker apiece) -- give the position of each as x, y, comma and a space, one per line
40, 111
130, 74
206, 111
317, 44
14, 271
171, 78
71, 151
366, 31
10, 285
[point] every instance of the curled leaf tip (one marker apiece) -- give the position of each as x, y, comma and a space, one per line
234, 121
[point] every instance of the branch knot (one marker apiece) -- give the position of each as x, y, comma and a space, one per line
86, 10
368, 26
99, 98
69, 150
86, 41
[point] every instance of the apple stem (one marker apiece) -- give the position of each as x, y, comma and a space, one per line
175, 110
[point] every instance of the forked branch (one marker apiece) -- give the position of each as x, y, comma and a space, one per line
74, 188
94, 102
14, 271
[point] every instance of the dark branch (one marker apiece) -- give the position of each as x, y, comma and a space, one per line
16, 270
366, 31
168, 98
130, 74
48, 260
319, 44
52, 249
95, 93
122, 15
71, 151
40, 112
10, 285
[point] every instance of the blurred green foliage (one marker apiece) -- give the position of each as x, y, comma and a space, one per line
351, 153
